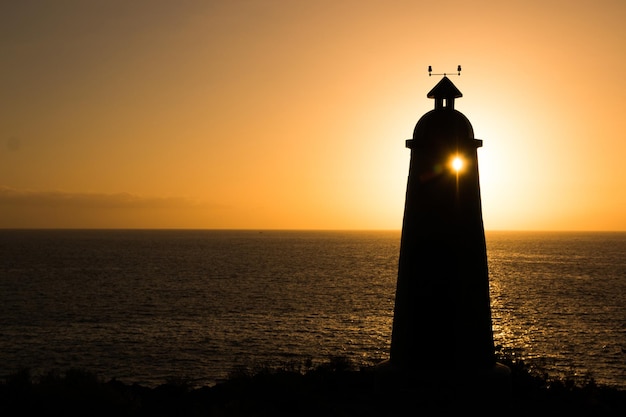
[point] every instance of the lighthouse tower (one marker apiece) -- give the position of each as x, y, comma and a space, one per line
442, 314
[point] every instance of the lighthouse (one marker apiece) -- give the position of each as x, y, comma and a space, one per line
442, 313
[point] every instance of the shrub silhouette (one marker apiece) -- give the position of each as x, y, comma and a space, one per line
333, 388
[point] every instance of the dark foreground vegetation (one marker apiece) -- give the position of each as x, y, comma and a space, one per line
332, 389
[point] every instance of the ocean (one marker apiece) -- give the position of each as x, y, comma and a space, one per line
151, 306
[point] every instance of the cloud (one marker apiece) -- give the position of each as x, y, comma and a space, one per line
42, 199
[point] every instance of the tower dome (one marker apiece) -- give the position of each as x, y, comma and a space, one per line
443, 123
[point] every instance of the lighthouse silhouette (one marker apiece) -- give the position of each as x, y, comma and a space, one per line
442, 313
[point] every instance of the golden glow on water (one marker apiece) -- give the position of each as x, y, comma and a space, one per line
152, 302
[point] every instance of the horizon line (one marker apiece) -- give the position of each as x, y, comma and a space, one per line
286, 229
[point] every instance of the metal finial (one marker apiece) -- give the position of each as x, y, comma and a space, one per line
430, 71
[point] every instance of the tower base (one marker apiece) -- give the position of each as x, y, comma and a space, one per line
469, 387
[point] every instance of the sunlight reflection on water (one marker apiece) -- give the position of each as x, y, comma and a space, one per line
144, 306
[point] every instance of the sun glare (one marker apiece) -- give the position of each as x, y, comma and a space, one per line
457, 163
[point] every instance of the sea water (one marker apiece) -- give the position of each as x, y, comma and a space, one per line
148, 306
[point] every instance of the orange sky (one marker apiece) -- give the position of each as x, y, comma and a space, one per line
294, 115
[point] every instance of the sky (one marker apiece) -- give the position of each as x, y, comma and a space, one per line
277, 114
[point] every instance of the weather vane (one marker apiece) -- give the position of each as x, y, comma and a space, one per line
430, 70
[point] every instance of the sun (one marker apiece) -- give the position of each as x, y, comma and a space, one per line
457, 163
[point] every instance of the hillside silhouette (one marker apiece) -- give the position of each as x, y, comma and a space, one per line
335, 388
